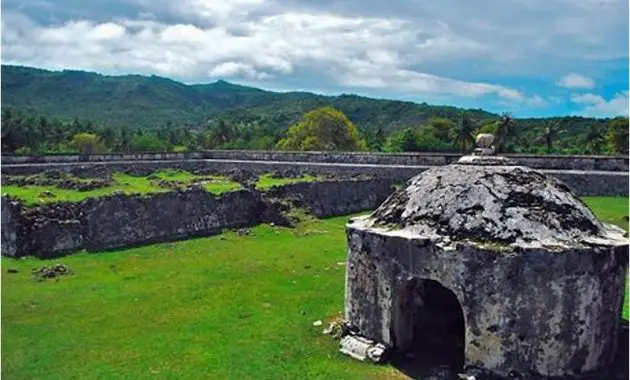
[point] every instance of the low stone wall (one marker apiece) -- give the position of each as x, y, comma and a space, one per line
324, 199
109, 157
126, 220
606, 163
10, 215
130, 220
594, 183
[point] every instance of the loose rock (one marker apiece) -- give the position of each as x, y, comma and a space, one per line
51, 272
362, 348
243, 232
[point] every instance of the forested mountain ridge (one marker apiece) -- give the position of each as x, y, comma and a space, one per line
44, 111
152, 101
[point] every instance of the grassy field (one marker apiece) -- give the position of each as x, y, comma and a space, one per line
37, 195
613, 210
222, 307
266, 180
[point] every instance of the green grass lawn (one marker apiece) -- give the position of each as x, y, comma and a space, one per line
222, 307
612, 210
34, 195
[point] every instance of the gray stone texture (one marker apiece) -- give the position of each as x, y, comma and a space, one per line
10, 214
503, 204
540, 281
120, 221
335, 198
597, 176
125, 220
606, 163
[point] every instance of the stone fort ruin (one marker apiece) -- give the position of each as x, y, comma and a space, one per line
488, 265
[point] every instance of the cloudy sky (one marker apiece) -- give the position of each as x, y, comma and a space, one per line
528, 57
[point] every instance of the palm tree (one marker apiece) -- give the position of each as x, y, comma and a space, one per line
506, 131
464, 137
550, 132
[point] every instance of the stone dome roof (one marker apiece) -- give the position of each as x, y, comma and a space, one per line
493, 204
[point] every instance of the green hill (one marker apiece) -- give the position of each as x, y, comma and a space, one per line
153, 103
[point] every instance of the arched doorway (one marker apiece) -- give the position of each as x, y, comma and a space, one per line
428, 328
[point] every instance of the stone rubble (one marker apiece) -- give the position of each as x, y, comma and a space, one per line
362, 348
51, 272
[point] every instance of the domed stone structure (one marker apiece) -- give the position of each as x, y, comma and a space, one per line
498, 265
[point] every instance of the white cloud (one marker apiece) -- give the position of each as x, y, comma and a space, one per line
576, 81
358, 52
440, 49
229, 69
597, 106
106, 31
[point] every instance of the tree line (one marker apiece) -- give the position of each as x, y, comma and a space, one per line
324, 129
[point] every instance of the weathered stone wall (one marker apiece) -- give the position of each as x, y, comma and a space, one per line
538, 278
52, 230
524, 313
606, 163
324, 199
594, 183
10, 213
128, 220
125, 220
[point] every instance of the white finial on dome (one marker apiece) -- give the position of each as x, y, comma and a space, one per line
484, 153
484, 144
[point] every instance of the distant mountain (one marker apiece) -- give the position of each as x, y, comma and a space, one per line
150, 101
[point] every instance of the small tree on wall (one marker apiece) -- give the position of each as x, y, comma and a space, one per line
86, 144
323, 129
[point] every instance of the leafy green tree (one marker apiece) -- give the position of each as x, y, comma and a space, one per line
87, 143
148, 143
262, 143
375, 139
405, 140
109, 137
218, 135
10, 131
379, 140
594, 140
617, 137
324, 129
441, 128
57, 133
427, 140
125, 139
490, 128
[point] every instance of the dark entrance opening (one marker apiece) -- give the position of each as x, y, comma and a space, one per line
429, 330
